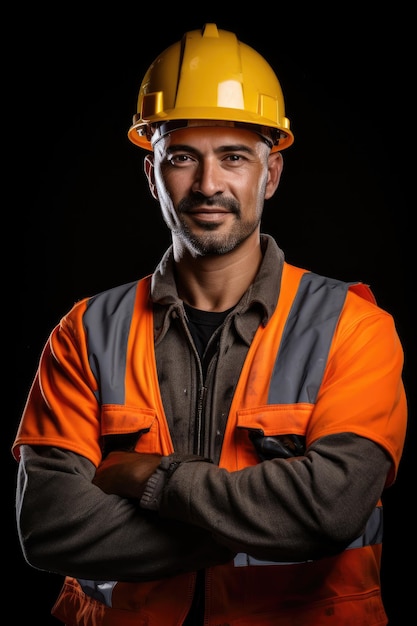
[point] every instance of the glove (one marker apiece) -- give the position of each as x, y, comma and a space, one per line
156, 484
277, 446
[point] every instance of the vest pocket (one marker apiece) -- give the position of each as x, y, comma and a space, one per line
129, 429
271, 431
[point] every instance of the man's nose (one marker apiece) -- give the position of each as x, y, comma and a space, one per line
209, 179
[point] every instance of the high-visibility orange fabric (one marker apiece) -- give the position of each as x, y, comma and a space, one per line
343, 589
331, 591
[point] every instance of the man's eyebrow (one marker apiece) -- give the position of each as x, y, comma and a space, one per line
183, 147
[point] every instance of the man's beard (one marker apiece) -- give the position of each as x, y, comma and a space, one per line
209, 242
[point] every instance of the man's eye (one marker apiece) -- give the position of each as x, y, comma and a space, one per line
235, 158
177, 159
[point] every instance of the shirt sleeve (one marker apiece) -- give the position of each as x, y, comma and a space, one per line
284, 509
69, 526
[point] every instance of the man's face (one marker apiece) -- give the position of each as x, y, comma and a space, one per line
211, 183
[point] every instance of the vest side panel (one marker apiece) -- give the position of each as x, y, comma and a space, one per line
300, 594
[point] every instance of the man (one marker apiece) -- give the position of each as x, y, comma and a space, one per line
210, 444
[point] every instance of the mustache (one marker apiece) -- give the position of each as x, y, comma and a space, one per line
196, 201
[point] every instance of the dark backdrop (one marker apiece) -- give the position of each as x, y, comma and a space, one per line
81, 218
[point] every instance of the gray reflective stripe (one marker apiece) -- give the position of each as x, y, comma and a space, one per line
245, 560
107, 322
306, 340
371, 536
373, 531
100, 590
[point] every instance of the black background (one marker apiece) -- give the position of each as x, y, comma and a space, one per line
80, 217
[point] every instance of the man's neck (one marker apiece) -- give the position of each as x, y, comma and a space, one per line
216, 283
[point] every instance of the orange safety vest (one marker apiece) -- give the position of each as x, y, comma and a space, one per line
277, 391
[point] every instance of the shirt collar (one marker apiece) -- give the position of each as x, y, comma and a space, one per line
262, 295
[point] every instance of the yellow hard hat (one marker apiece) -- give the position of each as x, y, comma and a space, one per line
210, 75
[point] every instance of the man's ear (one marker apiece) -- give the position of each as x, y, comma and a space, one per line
275, 167
148, 166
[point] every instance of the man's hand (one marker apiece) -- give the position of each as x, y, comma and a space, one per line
126, 473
